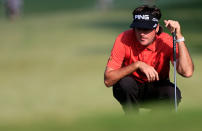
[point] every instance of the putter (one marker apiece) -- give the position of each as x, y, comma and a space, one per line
174, 60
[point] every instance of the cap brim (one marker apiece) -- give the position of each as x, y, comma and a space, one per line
143, 24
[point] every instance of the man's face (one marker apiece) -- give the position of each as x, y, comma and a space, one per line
145, 36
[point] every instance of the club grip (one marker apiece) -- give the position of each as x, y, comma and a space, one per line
174, 45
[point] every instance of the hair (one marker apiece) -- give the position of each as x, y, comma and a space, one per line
153, 10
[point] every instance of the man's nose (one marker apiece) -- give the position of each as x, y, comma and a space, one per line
142, 33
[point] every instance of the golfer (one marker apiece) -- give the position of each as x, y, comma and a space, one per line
139, 65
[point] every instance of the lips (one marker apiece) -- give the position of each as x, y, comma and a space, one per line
142, 39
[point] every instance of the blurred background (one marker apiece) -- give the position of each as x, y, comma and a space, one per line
53, 55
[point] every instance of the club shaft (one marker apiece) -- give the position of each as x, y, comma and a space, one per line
174, 61
175, 83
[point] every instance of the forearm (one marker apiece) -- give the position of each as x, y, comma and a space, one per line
185, 65
113, 76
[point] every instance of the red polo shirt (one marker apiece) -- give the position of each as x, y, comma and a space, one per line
127, 50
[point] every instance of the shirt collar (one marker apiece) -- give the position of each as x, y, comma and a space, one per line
152, 46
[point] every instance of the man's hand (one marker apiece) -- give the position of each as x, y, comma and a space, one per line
149, 71
172, 26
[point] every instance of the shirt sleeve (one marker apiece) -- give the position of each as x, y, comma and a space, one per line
117, 54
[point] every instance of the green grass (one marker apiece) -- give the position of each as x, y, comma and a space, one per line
52, 69
186, 121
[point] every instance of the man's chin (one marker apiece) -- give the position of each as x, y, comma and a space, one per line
144, 43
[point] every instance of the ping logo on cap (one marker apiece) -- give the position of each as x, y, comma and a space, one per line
143, 17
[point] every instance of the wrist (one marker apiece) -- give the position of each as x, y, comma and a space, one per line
180, 40
136, 64
179, 36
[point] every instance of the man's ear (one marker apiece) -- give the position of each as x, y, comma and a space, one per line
157, 28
